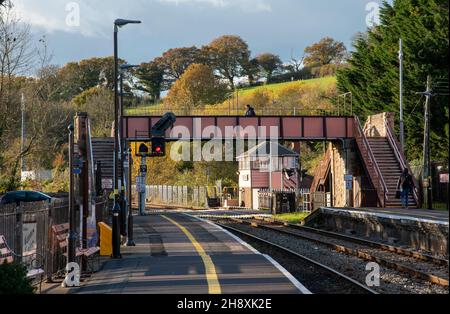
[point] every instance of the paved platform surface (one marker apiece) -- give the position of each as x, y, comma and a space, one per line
179, 254
415, 214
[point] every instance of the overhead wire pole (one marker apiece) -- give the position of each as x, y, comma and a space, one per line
22, 143
426, 148
116, 209
426, 174
125, 192
402, 123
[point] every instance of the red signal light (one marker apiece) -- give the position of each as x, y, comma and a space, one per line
158, 147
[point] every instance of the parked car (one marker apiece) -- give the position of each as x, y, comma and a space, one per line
17, 197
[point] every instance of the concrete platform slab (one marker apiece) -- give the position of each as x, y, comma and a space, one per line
180, 254
416, 229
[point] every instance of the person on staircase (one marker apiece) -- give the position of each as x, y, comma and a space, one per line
405, 186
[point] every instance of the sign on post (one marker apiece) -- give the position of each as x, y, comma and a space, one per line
349, 185
29, 244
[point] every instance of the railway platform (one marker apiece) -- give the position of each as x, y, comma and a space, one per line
180, 254
424, 230
424, 215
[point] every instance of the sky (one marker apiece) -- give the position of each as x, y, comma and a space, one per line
76, 30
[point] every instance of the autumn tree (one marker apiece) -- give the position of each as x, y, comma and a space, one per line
175, 61
269, 64
151, 80
228, 55
98, 102
76, 77
251, 70
198, 86
326, 51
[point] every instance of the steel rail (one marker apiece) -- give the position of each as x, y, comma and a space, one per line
368, 257
373, 244
302, 257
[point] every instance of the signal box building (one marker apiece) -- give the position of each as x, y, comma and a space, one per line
266, 167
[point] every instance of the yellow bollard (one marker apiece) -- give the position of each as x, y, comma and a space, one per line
105, 239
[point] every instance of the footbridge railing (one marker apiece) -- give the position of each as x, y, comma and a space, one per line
371, 163
401, 159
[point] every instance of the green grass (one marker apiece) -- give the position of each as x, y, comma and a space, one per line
293, 218
320, 83
244, 95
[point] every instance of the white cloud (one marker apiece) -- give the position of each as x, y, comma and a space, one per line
245, 5
55, 15
96, 16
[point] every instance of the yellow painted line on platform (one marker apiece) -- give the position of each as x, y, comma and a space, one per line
211, 274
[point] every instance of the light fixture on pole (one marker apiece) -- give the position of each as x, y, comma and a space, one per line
116, 209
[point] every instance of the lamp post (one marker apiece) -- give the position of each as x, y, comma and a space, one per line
125, 199
402, 123
116, 209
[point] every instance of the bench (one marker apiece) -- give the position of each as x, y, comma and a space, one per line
90, 255
7, 256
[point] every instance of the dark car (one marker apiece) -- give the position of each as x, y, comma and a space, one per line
18, 197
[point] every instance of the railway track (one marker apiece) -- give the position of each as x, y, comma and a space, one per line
377, 245
418, 266
403, 271
319, 278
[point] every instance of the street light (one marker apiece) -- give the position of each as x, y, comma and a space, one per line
116, 209
126, 155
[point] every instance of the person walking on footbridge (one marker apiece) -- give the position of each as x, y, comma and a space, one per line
250, 111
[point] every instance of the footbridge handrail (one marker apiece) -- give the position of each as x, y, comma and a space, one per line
401, 157
372, 167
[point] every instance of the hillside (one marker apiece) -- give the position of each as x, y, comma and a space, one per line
313, 96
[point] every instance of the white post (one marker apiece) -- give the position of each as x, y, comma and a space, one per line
22, 144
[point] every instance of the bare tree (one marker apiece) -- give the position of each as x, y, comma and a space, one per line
16, 59
295, 65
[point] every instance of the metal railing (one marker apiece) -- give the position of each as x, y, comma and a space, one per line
371, 163
264, 112
401, 159
28, 229
174, 195
321, 170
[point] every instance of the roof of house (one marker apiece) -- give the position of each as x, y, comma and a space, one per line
269, 149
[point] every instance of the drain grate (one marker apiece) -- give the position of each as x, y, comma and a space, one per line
157, 248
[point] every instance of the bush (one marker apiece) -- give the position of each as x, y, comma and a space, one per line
13, 280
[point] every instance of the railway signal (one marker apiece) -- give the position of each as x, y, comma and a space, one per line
158, 147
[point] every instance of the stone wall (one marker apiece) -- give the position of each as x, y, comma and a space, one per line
376, 124
344, 160
416, 234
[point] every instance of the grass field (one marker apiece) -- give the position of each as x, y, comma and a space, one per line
320, 83
243, 96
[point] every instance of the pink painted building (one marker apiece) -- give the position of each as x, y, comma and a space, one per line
266, 167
